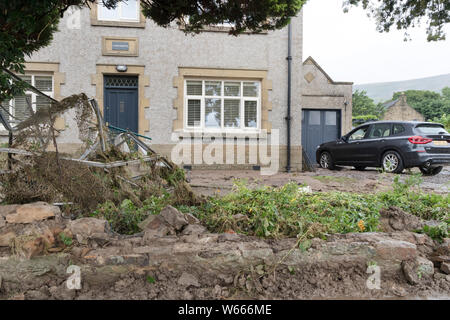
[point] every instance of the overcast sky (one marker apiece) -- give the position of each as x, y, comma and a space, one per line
348, 47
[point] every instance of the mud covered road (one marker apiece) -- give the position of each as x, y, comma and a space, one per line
210, 182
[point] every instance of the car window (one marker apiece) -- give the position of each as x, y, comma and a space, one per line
358, 134
380, 130
431, 129
398, 128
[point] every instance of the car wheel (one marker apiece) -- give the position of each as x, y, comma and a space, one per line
426, 171
326, 161
392, 162
360, 168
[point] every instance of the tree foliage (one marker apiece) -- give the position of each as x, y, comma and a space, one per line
430, 104
404, 14
242, 15
364, 106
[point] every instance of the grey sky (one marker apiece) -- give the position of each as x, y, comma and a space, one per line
349, 48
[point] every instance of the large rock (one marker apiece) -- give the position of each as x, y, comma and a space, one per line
187, 280
2, 222
6, 238
395, 250
174, 218
417, 269
156, 226
445, 267
87, 228
32, 212
28, 246
395, 219
193, 229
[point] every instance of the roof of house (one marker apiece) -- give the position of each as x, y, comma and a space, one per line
389, 104
310, 59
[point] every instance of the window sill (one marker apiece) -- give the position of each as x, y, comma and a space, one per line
186, 133
222, 29
123, 24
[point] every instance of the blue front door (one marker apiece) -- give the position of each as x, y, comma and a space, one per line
121, 102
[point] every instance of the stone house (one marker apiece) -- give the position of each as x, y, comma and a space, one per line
399, 109
226, 96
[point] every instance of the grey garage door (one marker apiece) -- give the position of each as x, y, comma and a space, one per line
319, 126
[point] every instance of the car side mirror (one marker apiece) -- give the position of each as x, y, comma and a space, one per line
344, 138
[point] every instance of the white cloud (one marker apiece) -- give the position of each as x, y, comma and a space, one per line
349, 48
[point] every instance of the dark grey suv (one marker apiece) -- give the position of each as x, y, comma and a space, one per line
392, 145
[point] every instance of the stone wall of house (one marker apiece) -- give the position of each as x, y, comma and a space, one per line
402, 111
162, 51
319, 91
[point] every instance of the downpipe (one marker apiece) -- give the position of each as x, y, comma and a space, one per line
288, 117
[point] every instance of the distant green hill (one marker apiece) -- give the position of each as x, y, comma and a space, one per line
383, 91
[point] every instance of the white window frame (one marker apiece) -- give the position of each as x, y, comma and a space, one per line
222, 97
32, 93
119, 7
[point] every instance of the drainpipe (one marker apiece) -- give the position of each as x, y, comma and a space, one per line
288, 117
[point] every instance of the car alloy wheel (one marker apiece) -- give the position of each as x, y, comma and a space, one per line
390, 162
325, 160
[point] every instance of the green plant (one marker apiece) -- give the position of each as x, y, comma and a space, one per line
126, 217
150, 280
66, 239
438, 232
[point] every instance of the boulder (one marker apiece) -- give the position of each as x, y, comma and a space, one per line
395, 250
191, 219
32, 212
2, 222
187, 280
156, 226
445, 267
86, 228
8, 209
28, 246
417, 269
395, 219
174, 218
193, 229
6, 238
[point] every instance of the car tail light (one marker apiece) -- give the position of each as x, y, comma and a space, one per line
419, 140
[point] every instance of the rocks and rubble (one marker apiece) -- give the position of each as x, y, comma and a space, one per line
190, 263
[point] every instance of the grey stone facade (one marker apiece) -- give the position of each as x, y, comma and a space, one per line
162, 52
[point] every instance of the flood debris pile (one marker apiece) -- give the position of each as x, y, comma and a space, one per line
112, 168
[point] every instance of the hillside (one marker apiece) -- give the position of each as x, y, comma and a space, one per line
383, 91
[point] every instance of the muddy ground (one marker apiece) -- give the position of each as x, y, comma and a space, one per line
209, 182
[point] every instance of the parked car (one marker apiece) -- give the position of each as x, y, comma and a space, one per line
391, 145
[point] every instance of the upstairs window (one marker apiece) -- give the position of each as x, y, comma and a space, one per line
124, 11
216, 105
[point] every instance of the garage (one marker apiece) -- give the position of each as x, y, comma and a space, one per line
319, 126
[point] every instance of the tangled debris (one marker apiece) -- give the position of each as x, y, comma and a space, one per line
113, 167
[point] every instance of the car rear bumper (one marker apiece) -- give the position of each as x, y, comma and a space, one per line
415, 159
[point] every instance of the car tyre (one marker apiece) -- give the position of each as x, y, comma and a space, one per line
360, 168
326, 161
392, 162
430, 171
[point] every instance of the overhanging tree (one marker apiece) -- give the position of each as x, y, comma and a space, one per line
404, 14
27, 26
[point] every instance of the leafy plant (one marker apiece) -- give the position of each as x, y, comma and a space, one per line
438, 232
125, 218
66, 239
151, 280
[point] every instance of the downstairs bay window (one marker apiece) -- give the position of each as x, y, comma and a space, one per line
222, 105
18, 109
